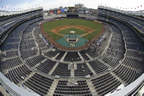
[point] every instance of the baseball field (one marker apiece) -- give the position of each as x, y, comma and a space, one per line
64, 31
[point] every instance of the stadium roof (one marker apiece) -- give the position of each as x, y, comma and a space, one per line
47, 4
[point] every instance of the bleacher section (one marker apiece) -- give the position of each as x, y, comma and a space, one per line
29, 60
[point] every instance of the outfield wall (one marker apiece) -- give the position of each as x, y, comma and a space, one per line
66, 48
14, 90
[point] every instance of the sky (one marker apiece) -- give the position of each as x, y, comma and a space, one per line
49, 4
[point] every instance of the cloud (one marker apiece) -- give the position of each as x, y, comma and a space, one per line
48, 4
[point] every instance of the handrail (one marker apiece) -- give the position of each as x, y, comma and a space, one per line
13, 89
14, 26
130, 88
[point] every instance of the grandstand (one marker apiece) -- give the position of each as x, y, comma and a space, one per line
110, 65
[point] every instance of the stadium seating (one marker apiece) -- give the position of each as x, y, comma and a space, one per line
72, 56
18, 74
62, 70
98, 66
105, 84
39, 84
79, 89
30, 60
10, 63
35, 60
46, 66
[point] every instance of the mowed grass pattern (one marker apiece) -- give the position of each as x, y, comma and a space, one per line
77, 31
48, 26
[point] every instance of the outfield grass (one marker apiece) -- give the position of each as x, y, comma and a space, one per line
48, 26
